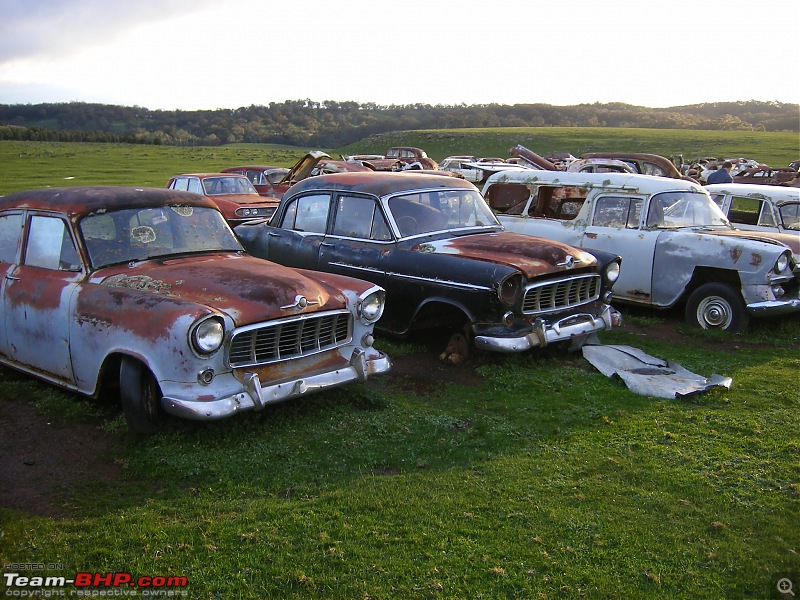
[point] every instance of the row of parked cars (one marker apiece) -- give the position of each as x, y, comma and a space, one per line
163, 297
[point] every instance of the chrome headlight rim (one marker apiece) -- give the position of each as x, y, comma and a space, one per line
509, 291
208, 335
611, 272
370, 306
783, 262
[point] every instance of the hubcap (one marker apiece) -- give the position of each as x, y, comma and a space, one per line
714, 313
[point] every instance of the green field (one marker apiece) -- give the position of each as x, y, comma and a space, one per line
530, 476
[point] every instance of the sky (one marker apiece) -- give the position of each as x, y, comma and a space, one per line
210, 54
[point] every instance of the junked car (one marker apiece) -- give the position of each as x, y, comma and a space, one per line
771, 209
476, 170
444, 260
233, 194
677, 247
147, 295
261, 176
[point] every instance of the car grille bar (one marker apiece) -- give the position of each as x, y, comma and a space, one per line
289, 338
561, 294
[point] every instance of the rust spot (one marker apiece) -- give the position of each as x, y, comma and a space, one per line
139, 282
736, 254
756, 259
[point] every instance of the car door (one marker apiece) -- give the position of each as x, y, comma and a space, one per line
617, 227
359, 240
37, 298
295, 242
10, 237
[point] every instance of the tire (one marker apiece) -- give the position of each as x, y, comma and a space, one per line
717, 306
140, 396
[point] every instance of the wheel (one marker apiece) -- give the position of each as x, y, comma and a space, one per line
140, 396
717, 306
407, 225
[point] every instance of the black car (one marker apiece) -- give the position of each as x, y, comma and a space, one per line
445, 261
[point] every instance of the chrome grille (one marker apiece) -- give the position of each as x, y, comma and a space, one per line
289, 338
561, 294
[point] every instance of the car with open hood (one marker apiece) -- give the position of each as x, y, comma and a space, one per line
443, 258
677, 247
146, 295
233, 194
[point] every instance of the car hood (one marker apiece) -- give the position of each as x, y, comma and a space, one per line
241, 199
531, 255
788, 239
248, 289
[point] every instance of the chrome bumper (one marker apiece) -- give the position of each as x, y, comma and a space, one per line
774, 307
567, 329
254, 396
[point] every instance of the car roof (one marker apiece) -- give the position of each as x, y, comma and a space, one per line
252, 168
379, 183
634, 182
778, 193
201, 175
85, 199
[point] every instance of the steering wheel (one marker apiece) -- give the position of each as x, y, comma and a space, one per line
407, 225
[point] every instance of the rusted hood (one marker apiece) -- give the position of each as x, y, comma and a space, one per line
789, 239
248, 289
531, 255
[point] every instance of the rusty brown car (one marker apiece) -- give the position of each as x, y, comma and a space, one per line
261, 176
444, 260
147, 295
233, 194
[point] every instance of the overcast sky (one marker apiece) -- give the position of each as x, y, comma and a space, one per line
208, 54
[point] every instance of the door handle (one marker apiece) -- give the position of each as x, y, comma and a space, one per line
273, 234
325, 245
12, 278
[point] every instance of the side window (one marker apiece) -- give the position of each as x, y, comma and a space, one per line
617, 211
10, 230
360, 218
50, 246
181, 183
194, 185
308, 213
750, 211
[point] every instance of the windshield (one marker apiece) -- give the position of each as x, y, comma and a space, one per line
790, 216
440, 210
139, 233
217, 186
684, 209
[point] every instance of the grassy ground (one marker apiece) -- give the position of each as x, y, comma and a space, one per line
527, 476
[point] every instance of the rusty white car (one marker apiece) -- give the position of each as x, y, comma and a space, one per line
677, 247
147, 295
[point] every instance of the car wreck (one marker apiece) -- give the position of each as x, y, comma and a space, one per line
676, 245
444, 260
146, 295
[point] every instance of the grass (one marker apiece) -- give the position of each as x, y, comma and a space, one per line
544, 479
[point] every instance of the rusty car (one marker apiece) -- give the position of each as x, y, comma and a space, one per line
146, 296
771, 209
643, 163
677, 247
233, 194
476, 170
261, 176
444, 260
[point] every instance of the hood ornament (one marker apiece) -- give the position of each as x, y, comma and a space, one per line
568, 263
300, 302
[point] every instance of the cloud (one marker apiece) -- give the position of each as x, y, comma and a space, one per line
49, 29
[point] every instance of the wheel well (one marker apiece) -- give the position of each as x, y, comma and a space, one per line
435, 315
703, 275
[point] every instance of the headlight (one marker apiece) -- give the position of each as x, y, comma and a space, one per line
782, 263
207, 336
612, 272
510, 290
370, 307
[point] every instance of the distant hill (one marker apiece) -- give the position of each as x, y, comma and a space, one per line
337, 124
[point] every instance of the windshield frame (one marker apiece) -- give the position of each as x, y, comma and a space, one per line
681, 209
134, 234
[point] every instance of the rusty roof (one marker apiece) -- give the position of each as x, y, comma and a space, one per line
84, 199
379, 183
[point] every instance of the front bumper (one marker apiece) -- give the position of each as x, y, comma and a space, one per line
254, 395
544, 333
774, 307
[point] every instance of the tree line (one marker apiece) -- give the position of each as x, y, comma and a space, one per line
331, 124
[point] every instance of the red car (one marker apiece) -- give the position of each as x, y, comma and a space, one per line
261, 176
233, 194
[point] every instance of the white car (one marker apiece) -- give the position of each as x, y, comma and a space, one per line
677, 247
477, 170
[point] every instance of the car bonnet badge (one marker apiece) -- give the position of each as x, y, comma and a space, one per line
300, 302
